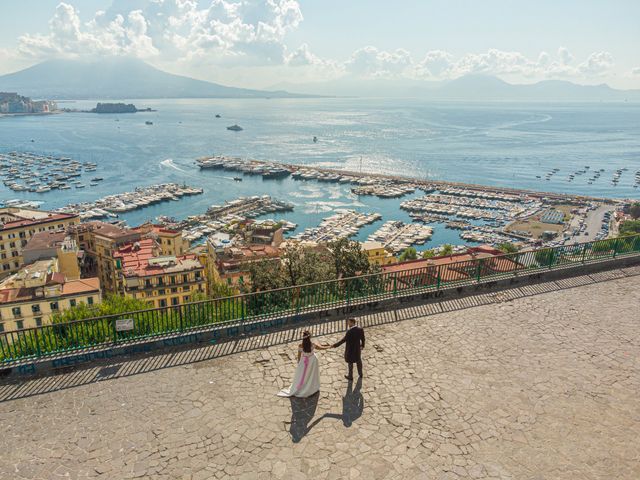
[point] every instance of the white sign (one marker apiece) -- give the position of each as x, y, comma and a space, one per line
124, 324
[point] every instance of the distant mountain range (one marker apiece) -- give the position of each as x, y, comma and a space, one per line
117, 78
126, 78
468, 88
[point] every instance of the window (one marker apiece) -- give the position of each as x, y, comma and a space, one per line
185, 288
147, 283
12, 245
6, 266
35, 308
185, 299
197, 275
72, 302
3, 256
20, 324
89, 300
39, 322
54, 306
185, 278
173, 280
174, 290
17, 312
162, 302
175, 301
160, 281
161, 292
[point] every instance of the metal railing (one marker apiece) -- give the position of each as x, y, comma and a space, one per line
75, 336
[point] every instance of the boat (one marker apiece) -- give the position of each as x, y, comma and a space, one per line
217, 115
235, 128
237, 179
79, 186
97, 179
315, 139
148, 123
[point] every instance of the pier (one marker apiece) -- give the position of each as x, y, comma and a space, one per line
345, 223
396, 236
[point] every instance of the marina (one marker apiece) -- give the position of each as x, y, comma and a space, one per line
112, 205
345, 223
30, 172
396, 236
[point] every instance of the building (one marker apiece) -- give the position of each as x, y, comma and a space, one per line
376, 253
99, 241
229, 266
159, 280
263, 233
18, 225
552, 216
451, 268
31, 296
171, 242
55, 244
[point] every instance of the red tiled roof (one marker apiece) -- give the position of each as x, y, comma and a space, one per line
53, 217
135, 260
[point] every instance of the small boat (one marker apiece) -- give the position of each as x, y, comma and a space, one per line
97, 179
79, 186
237, 179
315, 139
217, 115
148, 123
235, 128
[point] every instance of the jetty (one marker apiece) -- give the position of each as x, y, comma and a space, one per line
396, 236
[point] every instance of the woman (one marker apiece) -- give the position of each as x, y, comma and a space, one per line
306, 380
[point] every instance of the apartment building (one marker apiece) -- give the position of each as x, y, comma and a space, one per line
159, 280
30, 297
18, 225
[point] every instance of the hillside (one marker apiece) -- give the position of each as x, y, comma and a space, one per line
116, 78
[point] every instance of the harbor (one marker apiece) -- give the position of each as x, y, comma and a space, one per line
30, 172
396, 236
345, 223
112, 205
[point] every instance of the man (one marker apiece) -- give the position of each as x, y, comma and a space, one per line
354, 339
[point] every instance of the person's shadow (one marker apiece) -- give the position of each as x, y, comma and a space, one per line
303, 410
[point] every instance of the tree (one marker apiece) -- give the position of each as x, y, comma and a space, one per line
306, 265
110, 305
348, 258
446, 249
634, 211
429, 253
408, 254
508, 247
265, 275
630, 227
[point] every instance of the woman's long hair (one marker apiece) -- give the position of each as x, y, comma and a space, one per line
306, 341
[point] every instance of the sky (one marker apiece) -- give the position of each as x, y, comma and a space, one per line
261, 43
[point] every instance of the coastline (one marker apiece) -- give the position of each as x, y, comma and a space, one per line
36, 114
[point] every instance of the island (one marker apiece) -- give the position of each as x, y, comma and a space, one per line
118, 108
13, 104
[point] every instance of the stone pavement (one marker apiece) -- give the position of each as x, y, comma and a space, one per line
536, 387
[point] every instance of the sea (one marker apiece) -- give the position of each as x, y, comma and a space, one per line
499, 144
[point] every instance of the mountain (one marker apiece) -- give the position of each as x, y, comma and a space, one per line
116, 78
468, 88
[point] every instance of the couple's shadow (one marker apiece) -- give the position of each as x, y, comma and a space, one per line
304, 409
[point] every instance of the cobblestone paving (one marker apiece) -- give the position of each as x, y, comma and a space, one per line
539, 387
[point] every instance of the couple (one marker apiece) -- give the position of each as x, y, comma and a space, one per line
306, 380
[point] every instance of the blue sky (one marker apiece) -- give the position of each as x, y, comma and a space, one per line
258, 43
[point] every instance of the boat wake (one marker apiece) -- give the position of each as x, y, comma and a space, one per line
170, 164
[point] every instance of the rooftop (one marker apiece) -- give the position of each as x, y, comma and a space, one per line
12, 217
107, 230
521, 386
46, 240
140, 259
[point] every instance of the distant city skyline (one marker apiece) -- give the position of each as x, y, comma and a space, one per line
258, 44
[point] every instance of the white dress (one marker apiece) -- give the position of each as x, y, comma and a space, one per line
306, 380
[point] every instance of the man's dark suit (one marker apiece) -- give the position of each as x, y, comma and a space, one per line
354, 339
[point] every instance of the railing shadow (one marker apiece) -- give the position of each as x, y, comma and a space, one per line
125, 366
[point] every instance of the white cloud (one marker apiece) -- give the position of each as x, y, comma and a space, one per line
598, 63
247, 31
371, 62
436, 64
565, 56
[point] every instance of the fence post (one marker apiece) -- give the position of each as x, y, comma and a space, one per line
115, 332
478, 270
438, 278
346, 289
584, 253
35, 333
615, 247
552, 254
180, 317
395, 285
